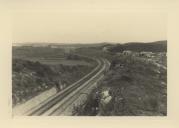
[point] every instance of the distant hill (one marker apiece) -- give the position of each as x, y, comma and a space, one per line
61, 45
157, 46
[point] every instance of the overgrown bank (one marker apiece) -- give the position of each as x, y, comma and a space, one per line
134, 86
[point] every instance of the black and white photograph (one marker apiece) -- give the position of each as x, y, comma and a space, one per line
89, 64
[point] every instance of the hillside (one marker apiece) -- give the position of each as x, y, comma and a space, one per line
158, 46
31, 78
134, 86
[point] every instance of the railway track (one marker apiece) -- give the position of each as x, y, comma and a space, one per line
52, 104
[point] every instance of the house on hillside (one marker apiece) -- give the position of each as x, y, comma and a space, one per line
127, 52
53, 46
105, 49
135, 54
146, 54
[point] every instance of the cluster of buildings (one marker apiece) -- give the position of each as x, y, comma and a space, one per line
142, 54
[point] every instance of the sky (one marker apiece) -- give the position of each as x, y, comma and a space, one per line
88, 26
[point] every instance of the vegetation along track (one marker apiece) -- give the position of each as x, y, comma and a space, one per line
52, 101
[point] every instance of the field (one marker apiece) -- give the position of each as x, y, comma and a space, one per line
58, 61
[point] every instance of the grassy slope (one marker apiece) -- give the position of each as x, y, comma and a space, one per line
137, 86
141, 84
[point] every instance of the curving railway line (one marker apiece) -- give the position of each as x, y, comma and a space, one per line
58, 102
